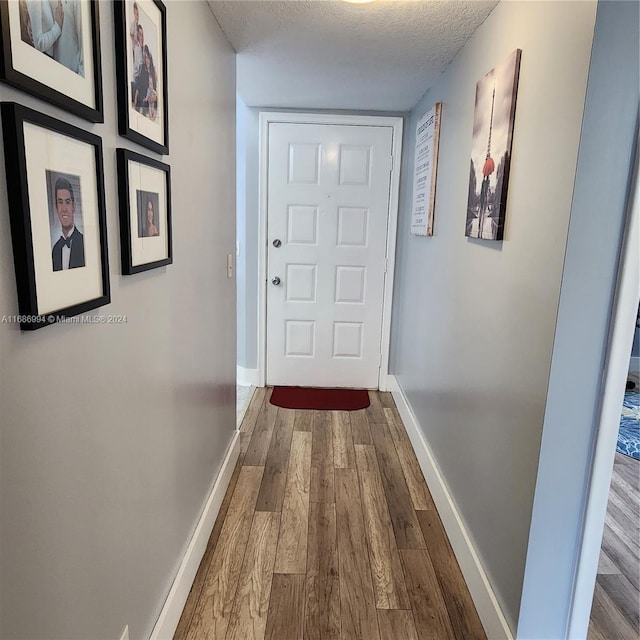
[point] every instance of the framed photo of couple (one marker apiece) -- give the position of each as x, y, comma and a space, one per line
55, 190
141, 72
144, 188
51, 49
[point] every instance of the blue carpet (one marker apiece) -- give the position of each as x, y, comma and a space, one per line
629, 434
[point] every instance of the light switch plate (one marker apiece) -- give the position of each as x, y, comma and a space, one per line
229, 265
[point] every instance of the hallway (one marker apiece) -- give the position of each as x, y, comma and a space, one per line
328, 530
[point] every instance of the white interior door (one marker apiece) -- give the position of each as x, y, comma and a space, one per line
327, 214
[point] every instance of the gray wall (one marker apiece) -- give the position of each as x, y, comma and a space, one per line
580, 347
112, 435
241, 233
248, 185
473, 321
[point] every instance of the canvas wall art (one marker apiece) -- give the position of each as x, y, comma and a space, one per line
493, 121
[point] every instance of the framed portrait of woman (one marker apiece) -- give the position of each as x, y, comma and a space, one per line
51, 49
55, 189
141, 72
144, 190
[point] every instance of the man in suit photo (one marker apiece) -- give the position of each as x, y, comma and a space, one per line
68, 251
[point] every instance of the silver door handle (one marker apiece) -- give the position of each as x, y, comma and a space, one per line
277, 243
276, 281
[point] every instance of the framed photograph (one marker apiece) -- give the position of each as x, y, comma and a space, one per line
55, 189
493, 121
141, 72
144, 188
51, 49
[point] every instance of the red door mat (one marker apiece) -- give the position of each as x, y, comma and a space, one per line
321, 399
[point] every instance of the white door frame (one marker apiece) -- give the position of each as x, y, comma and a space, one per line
621, 330
392, 224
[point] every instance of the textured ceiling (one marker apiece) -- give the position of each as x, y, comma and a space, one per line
335, 55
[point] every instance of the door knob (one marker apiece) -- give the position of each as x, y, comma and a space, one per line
277, 243
276, 280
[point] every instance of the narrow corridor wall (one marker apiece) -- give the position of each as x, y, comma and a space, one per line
474, 321
111, 436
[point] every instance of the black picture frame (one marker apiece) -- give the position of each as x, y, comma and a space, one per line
48, 293
142, 250
24, 67
146, 126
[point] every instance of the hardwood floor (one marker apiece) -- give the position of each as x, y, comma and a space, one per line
616, 600
328, 532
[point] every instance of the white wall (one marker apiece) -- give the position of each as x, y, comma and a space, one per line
474, 321
248, 168
241, 233
111, 436
609, 136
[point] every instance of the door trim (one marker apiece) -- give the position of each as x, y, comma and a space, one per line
614, 377
395, 124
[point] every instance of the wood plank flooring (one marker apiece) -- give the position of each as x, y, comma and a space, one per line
615, 612
328, 532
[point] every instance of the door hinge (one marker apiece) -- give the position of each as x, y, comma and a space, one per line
390, 164
386, 265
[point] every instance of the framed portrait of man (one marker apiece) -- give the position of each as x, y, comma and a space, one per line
55, 189
51, 49
144, 189
141, 72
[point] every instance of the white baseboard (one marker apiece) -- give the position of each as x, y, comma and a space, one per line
387, 383
240, 414
247, 377
392, 385
169, 618
634, 364
491, 615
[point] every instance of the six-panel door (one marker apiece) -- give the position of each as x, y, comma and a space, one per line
328, 206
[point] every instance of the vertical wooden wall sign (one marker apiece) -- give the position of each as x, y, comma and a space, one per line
424, 173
